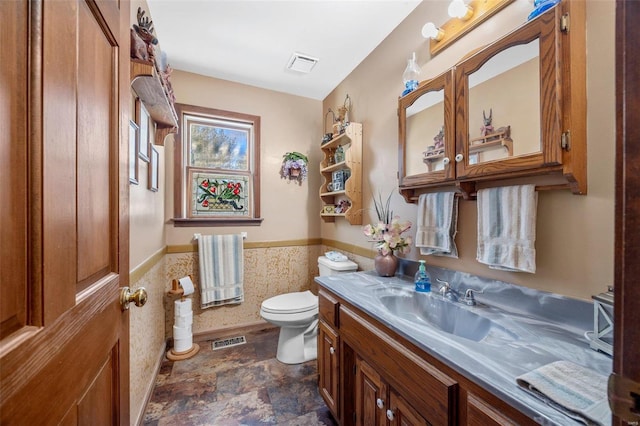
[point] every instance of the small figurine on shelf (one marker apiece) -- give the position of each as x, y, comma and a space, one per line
339, 155
144, 32
343, 112
343, 206
487, 128
439, 140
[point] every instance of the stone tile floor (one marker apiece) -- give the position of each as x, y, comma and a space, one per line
239, 385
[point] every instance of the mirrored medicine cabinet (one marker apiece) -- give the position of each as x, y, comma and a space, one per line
514, 111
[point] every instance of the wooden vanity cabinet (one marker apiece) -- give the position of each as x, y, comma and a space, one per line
378, 404
374, 377
329, 367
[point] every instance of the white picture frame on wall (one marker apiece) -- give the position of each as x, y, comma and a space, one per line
142, 119
133, 152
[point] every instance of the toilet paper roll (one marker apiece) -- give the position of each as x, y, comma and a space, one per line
187, 285
181, 332
182, 307
184, 320
182, 345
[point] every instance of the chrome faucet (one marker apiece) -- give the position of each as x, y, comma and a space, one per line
468, 296
446, 291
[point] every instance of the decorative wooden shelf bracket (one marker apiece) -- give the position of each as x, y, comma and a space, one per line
147, 85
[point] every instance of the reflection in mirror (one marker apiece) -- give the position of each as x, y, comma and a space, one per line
504, 105
424, 151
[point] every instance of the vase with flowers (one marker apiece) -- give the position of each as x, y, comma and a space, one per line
387, 234
294, 166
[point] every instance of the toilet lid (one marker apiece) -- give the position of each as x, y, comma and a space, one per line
291, 303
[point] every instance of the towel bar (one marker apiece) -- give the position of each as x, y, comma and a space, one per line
244, 235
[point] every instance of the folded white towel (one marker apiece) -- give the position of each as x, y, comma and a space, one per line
507, 228
437, 224
221, 269
576, 391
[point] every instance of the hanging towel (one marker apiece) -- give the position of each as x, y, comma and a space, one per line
221, 269
507, 228
576, 391
437, 224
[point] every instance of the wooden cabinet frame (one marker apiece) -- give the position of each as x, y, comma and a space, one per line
561, 161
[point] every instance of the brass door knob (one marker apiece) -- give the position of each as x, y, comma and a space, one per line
139, 297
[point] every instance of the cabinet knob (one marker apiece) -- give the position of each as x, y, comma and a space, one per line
380, 403
390, 415
459, 158
446, 161
332, 350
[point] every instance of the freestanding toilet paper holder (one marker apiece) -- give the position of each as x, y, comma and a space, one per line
177, 354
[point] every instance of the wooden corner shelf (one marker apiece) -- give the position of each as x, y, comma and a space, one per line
146, 83
351, 141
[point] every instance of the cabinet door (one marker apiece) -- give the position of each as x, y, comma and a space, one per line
400, 413
426, 142
371, 396
481, 413
328, 367
496, 130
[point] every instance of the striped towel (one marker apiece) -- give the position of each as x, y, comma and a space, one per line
507, 228
221, 269
437, 224
576, 391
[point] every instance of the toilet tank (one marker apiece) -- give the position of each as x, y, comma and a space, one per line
329, 267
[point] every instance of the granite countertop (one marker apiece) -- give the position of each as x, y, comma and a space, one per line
532, 328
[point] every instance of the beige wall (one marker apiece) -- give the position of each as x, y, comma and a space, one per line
575, 233
288, 123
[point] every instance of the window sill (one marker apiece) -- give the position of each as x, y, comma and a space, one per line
191, 222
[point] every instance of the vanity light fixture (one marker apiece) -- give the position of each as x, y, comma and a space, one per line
458, 9
464, 18
429, 30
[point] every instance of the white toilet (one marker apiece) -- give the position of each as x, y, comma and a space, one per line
297, 316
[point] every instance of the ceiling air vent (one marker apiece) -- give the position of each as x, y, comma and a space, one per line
302, 63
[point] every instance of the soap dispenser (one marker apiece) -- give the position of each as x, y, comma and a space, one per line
411, 75
422, 279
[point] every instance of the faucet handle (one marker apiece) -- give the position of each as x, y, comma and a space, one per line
468, 296
444, 287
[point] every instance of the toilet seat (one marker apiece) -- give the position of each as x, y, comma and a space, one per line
291, 303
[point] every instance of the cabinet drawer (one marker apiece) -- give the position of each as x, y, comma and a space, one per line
328, 308
431, 392
481, 412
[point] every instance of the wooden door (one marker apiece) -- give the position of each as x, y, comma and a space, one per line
403, 414
371, 396
329, 367
624, 385
63, 206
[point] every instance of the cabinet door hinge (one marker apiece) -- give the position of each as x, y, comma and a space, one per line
565, 140
354, 417
354, 370
564, 23
624, 398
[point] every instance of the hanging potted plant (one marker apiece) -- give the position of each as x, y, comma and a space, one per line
294, 166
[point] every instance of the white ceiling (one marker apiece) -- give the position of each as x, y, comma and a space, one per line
251, 41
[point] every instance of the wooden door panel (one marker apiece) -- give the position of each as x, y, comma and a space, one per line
55, 242
13, 163
92, 408
48, 374
97, 79
66, 361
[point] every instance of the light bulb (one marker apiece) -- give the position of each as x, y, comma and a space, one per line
458, 9
431, 31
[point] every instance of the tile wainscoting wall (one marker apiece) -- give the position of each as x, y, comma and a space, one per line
270, 269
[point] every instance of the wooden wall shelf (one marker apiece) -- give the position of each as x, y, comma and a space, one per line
146, 83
